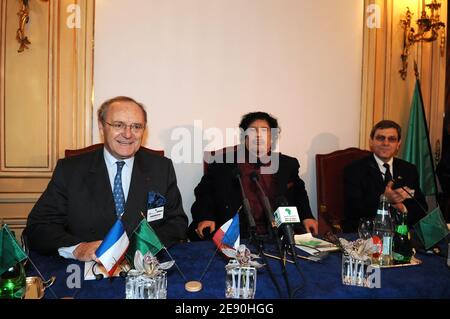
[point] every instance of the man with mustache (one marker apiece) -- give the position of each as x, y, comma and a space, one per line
366, 179
218, 196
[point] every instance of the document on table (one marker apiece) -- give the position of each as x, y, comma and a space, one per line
310, 244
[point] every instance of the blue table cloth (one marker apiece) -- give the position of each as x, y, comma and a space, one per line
431, 279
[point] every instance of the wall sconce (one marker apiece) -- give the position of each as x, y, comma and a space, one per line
24, 17
428, 31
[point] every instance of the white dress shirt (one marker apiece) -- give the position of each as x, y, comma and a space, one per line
382, 168
111, 166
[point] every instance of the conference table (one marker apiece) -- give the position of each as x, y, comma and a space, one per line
320, 280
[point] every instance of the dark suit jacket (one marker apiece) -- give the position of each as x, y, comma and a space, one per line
443, 172
78, 204
218, 195
364, 183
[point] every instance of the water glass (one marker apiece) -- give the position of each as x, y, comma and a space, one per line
142, 286
240, 281
130, 284
355, 271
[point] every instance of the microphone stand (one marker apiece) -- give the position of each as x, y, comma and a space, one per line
289, 244
256, 240
268, 211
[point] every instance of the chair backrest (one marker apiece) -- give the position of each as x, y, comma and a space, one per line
70, 153
330, 186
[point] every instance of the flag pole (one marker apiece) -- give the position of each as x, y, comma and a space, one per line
194, 285
164, 247
175, 263
209, 264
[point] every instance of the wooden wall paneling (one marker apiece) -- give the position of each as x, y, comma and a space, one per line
45, 97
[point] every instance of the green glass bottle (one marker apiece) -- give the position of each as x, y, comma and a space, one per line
13, 283
401, 246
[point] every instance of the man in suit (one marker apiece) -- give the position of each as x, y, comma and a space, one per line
381, 173
218, 196
88, 192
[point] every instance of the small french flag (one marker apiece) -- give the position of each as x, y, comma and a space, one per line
227, 236
112, 249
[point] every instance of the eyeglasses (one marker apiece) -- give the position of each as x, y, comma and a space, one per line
120, 126
382, 138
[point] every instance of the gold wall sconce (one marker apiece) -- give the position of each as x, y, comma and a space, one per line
24, 17
428, 27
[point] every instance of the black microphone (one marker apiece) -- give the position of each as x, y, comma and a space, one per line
265, 201
268, 210
259, 239
287, 228
245, 201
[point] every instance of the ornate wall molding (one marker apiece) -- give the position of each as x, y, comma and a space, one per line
45, 95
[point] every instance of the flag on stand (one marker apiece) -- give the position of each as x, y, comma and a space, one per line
417, 147
227, 236
113, 247
10, 251
144, 239
432, 228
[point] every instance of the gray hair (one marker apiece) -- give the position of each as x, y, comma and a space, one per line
101, 113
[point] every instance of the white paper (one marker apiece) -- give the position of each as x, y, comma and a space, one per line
155, 214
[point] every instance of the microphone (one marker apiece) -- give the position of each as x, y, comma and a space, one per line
285, 217
268, 210
265, 201
245, 201
252, 226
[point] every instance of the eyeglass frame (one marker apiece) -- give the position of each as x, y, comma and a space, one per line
120, 126
382, 138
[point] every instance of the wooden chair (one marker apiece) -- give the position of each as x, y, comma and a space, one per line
330, 186
74, 152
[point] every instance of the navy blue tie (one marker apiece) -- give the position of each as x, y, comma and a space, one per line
119, 197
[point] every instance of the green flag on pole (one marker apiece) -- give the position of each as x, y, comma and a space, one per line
10, 251
417, 147
144, 239
432, 228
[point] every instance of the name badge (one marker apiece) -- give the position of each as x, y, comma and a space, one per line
155, 214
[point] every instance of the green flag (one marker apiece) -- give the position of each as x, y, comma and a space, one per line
10, 251
432, 228
144, 239
417, 148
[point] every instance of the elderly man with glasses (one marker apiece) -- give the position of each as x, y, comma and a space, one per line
381, 173
89, 192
